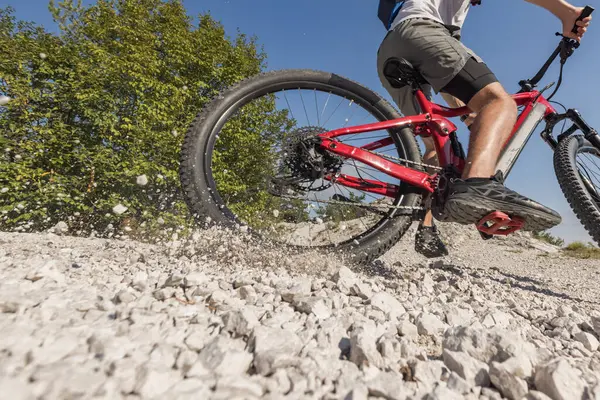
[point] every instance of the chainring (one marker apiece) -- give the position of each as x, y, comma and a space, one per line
442, 190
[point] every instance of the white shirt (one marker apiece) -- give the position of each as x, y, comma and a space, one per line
447, 12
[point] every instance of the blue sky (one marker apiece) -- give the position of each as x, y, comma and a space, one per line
342, 36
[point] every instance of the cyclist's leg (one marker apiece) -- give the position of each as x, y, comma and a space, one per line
449, 66
496, 112
427, 239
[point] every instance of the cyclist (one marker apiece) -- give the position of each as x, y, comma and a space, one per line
426, 33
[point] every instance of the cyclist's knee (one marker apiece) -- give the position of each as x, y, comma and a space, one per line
493, 93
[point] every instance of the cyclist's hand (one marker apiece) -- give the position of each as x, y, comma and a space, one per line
569, 23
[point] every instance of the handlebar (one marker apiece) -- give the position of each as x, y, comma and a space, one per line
587, 11
565, 49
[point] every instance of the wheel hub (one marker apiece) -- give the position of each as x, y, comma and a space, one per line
304, 162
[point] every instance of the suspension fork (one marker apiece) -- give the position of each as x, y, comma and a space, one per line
578, 124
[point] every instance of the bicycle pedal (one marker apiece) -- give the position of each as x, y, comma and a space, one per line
498, 223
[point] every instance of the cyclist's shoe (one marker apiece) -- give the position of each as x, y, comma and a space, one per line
429, 243
470, 200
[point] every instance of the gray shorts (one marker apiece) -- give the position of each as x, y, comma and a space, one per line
432, 48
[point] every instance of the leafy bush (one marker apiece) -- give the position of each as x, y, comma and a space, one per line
549, 238
103, 102
582, 250
575, 246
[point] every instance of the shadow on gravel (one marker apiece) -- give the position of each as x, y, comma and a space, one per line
517, 277
523, 283
379, 268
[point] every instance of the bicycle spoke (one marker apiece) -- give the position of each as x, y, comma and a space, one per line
304, 106
336, 108
317, 108
325, 106
288, 104
351, 114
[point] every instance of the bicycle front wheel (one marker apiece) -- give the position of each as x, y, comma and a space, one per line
577, 166
248, 159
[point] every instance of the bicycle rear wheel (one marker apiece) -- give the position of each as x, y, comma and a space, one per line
256, 135
577, 166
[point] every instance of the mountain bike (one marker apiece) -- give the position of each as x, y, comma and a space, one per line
346, 173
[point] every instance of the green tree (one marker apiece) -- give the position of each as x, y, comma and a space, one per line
107, 100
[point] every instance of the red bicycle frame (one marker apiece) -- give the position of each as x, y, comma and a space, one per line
433, 123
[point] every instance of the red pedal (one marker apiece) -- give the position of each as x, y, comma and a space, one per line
498, 223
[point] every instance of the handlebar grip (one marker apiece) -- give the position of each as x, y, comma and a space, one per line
587, 11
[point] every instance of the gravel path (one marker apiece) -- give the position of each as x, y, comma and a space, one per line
223, 317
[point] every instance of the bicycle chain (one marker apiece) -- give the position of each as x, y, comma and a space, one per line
384, 207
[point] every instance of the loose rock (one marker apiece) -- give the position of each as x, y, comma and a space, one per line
273, 348
471, 370
511, 387
559, 380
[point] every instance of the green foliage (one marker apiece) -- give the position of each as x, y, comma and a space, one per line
575, 246
106, 100
582, 250
549, 238
343, 212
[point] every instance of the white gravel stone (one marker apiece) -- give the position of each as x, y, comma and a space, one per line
189, 389
458, 384
345, 279
196, 340
151, 383
363, 348
300, 289
119, 209
511, 386
16, 389
407, 329
458, 315
559, 380
360, 392
248, 293
318, 306
236, 387
185, 360
240, 323
361, 290
141, 180
195, 278
222, 357
471, 370
61, 228
441, 392
429, 324
596, 324
535, 395
588, 340
273, 348
388, 304
429, 373
56, 348
388, 385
